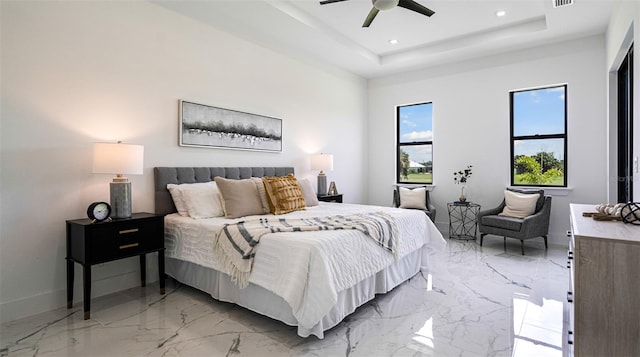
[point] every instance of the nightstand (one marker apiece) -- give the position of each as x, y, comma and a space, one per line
331, 198
93, 243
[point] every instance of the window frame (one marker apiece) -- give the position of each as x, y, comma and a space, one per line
399, 145
513, 138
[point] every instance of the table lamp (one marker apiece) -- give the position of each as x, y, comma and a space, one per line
118, 159
322, 162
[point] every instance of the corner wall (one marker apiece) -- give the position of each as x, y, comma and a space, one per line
75, 73
471, 124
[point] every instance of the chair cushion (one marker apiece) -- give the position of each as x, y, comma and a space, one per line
413, 198
510, 223
518, 204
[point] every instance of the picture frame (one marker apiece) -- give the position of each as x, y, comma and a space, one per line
207, 126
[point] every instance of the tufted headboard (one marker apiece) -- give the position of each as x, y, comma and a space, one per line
178, 175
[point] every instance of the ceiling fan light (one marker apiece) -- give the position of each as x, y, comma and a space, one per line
385, 4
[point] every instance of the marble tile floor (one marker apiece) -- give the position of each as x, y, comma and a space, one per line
474, 301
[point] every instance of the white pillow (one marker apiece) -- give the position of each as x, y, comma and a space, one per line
310, 198
413, 198
201, 200
519, 205
176, 195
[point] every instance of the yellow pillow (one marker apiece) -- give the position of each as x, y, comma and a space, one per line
284, 194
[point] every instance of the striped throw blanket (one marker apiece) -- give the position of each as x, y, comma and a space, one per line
235, 244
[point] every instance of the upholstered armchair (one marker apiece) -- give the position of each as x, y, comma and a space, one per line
413, 200
533, 225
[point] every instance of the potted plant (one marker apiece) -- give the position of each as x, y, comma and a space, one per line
461, 177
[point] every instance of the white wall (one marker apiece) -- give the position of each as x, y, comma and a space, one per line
471, 124
74, 73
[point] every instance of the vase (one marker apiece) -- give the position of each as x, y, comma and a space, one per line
462, 197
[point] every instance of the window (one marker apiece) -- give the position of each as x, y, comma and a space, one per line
415, 147
539, 137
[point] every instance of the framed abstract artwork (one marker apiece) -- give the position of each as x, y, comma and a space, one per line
212, 127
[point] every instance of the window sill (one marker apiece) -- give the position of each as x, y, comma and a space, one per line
429, 187
550, 191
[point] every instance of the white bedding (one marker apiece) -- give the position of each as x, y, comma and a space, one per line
306, 269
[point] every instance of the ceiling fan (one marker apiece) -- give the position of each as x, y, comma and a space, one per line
386, 5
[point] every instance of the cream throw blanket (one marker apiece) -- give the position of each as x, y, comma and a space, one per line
235, 244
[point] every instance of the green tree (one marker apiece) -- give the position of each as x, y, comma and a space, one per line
533, 173
404, 161
547, 161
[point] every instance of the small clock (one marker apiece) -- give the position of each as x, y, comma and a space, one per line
99, 211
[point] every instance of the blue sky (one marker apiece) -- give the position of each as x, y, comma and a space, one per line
416, 124
539, 111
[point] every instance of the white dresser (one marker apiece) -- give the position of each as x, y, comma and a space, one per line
604, 288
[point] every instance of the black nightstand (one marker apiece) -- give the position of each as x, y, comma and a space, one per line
93, 243
330, 198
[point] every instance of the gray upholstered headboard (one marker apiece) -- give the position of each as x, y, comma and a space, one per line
178, 175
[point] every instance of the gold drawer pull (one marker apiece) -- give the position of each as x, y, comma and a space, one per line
129, 245
129, 231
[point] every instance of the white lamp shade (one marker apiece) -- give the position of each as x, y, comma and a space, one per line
322, 162
115, 158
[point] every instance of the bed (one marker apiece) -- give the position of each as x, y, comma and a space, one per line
311, 280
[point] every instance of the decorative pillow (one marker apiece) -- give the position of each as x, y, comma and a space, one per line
197, 200
176, 195
241, 197
284, 194
310, 198
540, 202
413, 198
262, 192
519, 205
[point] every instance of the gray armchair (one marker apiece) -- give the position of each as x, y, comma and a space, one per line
533, 226
430, 211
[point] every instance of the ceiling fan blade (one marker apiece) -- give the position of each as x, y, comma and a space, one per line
370, 17
330, 1
414, 6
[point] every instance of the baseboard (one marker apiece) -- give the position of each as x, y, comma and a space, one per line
51, 300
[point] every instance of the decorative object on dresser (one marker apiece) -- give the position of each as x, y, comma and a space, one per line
522, 214
604, 262
461, 177
414, 198
463, 220
119, 159
211, 127
90, 243
630, 213
322, 162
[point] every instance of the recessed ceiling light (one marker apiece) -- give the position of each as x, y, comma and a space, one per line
394, 42
501, 13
